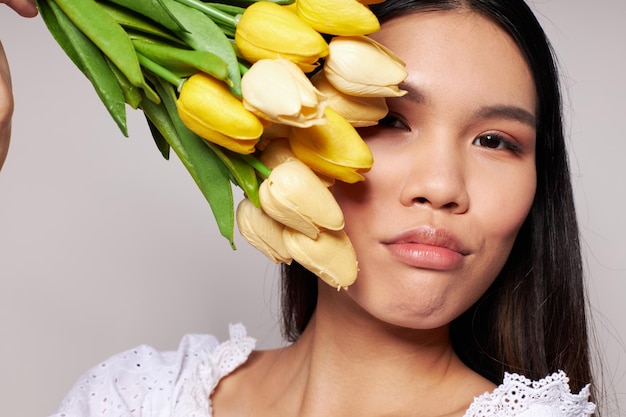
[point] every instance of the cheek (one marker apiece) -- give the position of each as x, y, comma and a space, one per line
504, 205
366, 200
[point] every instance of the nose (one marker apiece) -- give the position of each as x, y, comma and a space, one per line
436, 177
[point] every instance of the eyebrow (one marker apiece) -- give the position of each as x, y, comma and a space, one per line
498, 111
503, 111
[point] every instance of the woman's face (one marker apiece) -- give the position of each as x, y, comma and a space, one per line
454, 171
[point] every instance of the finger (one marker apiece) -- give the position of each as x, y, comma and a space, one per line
6, 105
25, 8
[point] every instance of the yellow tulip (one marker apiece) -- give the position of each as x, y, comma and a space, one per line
278, 91
262, 232
359, 111
331, 256
279, 151
294, 196
268, 31
207, 108
335, 149
338, 17
346, 71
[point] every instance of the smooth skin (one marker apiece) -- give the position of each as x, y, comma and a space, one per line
25, 8
432, 225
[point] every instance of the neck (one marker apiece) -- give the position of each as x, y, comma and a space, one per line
349, 363
346, 362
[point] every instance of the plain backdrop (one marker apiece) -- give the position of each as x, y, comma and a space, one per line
104, 245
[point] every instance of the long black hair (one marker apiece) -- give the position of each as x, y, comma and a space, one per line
533, 319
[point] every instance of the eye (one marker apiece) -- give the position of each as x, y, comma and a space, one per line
395, 121
495, 141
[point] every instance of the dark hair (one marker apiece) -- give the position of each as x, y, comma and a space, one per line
532, 320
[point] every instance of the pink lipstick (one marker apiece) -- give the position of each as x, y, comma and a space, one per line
428, 248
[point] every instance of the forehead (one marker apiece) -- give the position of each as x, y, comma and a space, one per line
460, 50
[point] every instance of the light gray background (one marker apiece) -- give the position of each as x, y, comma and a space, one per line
104, 245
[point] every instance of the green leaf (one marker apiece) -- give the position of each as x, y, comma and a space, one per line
183, 62
133, 21
132, 94
106, 34
243, 174
159, 140
58, 33
206, 168
91, 61
203, 34
152, 9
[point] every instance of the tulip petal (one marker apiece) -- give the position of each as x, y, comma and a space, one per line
262, 232
338, 17
359, 111
294, 196
345, 71
278, 91
331, 256
277, 152
207, 108
334, 149
269, 31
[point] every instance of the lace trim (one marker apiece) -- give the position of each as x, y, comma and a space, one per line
193, 400
521, 397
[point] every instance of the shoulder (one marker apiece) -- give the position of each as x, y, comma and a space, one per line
145, 382
519, 396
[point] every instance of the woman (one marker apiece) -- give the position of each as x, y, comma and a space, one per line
467, 244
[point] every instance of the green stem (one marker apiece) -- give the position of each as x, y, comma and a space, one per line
242, 68
212, 12
259, 166
245, 3
160, 71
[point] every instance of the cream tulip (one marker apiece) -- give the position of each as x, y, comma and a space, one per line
331, 256
346, 71
359, 111
278, 91
262, 232
276, 152
294, 196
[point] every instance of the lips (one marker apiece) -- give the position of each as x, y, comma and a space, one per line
428, 248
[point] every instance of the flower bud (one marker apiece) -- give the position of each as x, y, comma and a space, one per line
207, 108
269, 31
334, 149
359, 111
345, 70
338, 17
331, 256
262, 232
279, 151
294, 196
278, 91
276, 152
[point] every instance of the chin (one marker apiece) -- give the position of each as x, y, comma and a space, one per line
396, 309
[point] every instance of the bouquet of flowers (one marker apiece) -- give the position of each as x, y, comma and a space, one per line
262, 95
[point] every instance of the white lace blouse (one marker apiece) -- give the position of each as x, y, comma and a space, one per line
144, 382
